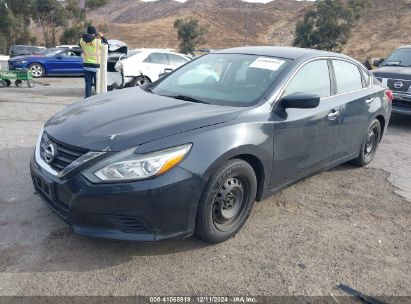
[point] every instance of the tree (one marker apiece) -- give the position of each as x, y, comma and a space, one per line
329, 25
51, 16
95, 3
190, 33
75, 25
14, 23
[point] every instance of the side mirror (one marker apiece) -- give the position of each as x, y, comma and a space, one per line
377, 62
301, 101
59, 57
166, 72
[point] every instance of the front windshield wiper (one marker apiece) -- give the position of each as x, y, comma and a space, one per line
188, 98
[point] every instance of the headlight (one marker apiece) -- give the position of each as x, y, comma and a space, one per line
21, 62
119, 66
128, 166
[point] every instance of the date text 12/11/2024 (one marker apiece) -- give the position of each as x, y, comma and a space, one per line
203, 299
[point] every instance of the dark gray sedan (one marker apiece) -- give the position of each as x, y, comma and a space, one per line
190, 153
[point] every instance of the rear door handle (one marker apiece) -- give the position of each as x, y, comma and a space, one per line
333, 115
369, 100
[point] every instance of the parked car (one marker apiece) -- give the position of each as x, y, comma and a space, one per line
395, 73
55, 62
67, 46
23, 50
142, 66
177, 157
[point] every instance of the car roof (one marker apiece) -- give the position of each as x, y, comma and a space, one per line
166, 51
405, 47
279, 51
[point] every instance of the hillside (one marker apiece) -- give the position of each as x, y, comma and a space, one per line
386, 25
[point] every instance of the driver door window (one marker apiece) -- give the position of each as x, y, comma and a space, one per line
312, 78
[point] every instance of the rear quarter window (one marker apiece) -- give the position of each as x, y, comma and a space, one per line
366, 78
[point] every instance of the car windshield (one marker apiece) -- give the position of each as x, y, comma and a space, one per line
47, 51
223, 79
401, 57
54, 53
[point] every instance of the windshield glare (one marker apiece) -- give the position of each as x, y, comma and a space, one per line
54, 53
401, 57
224, 79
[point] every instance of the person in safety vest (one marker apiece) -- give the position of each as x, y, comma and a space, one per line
91, 43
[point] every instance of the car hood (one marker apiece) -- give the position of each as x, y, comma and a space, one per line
393, 72
27, 57
123, 119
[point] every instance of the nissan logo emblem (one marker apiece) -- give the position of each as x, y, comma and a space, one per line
398, 85
49, 153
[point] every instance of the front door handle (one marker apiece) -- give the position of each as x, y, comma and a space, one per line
369, 100
333, 115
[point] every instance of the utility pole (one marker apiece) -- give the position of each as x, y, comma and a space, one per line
53, 34
246, 30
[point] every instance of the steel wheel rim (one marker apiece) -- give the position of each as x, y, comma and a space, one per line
372, 142
36, 70
140, 82
230, 203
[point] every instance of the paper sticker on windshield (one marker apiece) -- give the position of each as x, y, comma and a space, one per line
267, 63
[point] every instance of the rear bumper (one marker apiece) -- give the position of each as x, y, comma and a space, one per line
150, 210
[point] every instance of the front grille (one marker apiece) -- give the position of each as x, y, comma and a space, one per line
398, 85
128, 224
63, 154
402, 103
46, 192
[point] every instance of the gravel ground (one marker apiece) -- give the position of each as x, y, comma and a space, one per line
346, 226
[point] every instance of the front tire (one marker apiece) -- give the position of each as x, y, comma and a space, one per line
226, 202
37, 70
370, 145
139, 81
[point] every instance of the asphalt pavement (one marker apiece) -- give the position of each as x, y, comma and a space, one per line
346, 226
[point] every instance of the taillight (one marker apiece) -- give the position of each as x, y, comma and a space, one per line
389, 94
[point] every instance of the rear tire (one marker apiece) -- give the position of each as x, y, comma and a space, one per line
226, 202
370, 145
30, 84
18, 83
8, 82
3, 83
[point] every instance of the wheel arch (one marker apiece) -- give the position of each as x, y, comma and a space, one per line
382, 121
250, 155
258, 168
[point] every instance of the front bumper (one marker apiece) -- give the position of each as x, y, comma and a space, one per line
401, 103
14, 66
149, 210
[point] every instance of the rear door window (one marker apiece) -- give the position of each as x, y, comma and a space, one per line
347, 76
177, 60
157, 58
312, 78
